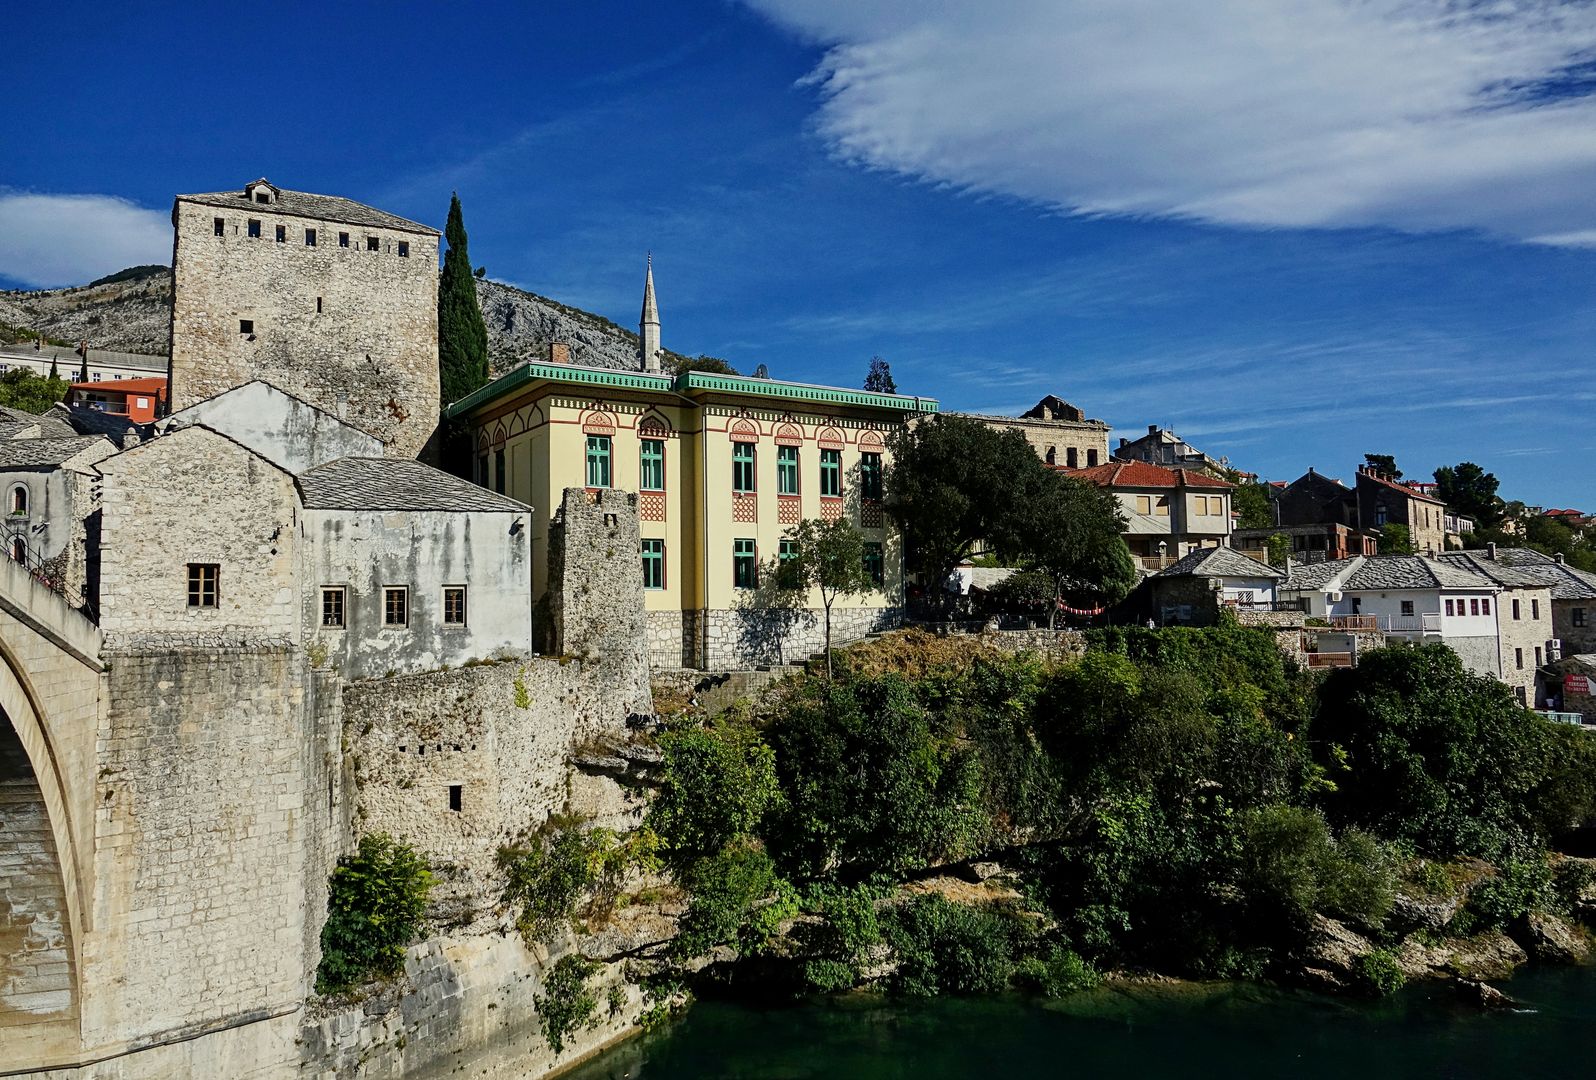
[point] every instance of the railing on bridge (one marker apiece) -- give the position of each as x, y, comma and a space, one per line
1575, 718
20, 551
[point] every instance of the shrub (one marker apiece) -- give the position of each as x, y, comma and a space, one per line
1289, 867
1058, 973
718, 784
376, 900
567, 1003
1378, 973
948, 948
838, 945
548, 878
737, 899
1521, 885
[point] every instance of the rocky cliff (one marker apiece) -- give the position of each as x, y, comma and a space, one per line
132, 313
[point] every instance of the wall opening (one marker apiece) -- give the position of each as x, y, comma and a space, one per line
456, 797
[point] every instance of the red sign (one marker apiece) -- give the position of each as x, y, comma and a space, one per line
1576, 684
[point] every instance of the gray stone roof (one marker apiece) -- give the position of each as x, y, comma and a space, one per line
358, 483
43, 453
1371, 573
306, 204
1566, 582
86, 421
1309, 576
1503, 574
1219, 562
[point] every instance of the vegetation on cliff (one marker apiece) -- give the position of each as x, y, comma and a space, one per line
376, 901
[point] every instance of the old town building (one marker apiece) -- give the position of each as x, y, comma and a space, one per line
1060, 433
1168, 513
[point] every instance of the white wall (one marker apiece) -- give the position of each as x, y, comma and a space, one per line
279, 427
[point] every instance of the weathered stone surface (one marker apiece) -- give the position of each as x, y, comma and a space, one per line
1549, 938
1486, 996
1329, 958
1491, 955
1424, 912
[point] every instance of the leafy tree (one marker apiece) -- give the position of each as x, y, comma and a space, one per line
1384, 464
21, 389
1278, 547
1470, 490
375, 903
879, 380
462, 337
1250, 499
1394, 539
1069, 529
718, 784
712, 365
830, 559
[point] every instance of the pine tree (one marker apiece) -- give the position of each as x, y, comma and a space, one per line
879, 380
462, 338
55, 369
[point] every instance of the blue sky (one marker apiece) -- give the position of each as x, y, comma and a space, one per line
1295, 230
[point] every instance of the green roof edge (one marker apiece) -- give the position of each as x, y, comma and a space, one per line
685, 382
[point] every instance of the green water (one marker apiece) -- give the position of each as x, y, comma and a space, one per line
1227, 1031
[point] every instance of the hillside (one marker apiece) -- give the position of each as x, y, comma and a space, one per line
131, 310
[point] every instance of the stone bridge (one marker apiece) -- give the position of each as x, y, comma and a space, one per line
51, 688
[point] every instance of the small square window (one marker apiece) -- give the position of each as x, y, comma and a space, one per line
404, 249
246, 326
1407, 607
262, 197
254, 227
219, 226
332, 608
396, 606
282, 234
373, 244
454, 605
343, 239
310, 237
202, 580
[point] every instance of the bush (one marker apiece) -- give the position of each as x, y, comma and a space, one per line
376, 900
1520, 886
838, 945
737, 899
548, 879
1378, 973
948, 948
718, 784
567, 1003
1058, 973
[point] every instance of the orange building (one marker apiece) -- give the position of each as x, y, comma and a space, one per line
140, 400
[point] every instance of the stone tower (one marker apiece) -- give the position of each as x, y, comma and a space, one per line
648, 327
327, 299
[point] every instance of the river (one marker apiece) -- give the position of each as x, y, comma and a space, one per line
1230, 1031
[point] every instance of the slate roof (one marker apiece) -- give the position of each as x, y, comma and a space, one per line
1139, 474
85, 421
306, 204
1502, 573
1566, 582
1379, 573
1219, 562
42, 453
359, 483
1307, 577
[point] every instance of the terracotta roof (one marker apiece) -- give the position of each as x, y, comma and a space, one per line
151, 385
1396, 485
1139, 474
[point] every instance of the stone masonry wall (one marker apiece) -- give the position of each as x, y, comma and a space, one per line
1523, 636
352, 331
748, 638
595, 590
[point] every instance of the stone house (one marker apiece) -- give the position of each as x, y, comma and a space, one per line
51, 508
1163, 447
1384, 501
1525, 623
331, 300
1308, 543
1319, 514
1168, 512
1204, 582
1573, 594
1060, 433
722, 466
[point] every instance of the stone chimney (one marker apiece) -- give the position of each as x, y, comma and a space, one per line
1490, 551
559, 352
1152, 429
1558, 558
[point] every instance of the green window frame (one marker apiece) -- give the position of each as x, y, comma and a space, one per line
875, 564
598, 461
653, 564
870, 476
745, 564
786, 555
786, 470
652, 470
831, 474
743, 467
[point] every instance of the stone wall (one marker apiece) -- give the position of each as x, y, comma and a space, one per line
155, 497
670, 643
749, 637
595, 588
352, 331
1522, 637
1576, 639
279, 427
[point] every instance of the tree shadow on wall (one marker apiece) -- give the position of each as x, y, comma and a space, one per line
767, 616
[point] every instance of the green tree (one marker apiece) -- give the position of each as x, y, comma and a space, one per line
1070, 529
21, 389
1394, 539
376, 900
718, 784
1470, 490
830, 560
1279, 549
1251, 501
462, 337
879, 380
710, 365
1384, 464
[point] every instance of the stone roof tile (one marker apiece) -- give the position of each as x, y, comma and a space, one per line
309, 205
357, 483
1219, 562
43, 453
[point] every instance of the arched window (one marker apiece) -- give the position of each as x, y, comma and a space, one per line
1051, 455
19, 501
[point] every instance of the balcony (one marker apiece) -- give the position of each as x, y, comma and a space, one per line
1267, 605
1329, 659
1426, 624
1155, 563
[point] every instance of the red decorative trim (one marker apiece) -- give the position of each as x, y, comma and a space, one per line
789, 435
870, 516
744, 431
831, 439
789, 509
831, 508
498, 438
651, 505
872, 442
598, 423
745, 507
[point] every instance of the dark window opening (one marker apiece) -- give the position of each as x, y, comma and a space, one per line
202, 584
499, 471
332, 608
372, 243
870, 476
1072, 457
19, 550
262, 197
246, 326
653, 564
456, 797
318, 305
875, 564
454, 605
404, 249
1091, 458
254, 227
219, 226
310, 237
282, 234
745, 565
343, 239
396, 607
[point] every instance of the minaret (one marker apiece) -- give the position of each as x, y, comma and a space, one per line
648, 329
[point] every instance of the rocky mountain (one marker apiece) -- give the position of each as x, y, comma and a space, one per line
130, 311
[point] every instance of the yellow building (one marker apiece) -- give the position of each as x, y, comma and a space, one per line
722, 466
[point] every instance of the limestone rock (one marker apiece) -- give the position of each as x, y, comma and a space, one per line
1425, 913
1330, 958
1491, 955
1483, 994
1550, 939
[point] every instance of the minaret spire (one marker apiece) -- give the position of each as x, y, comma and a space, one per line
648, 327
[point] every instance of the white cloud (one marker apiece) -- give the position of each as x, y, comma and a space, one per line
1417, 114
48, 240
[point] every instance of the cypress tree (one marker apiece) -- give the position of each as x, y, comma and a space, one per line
462, 338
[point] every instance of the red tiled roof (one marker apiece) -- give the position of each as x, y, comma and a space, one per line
1395, 485
152, 385
1140, 474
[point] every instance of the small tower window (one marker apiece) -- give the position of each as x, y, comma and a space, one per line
372, 244
19, 501
246, 326
318, 305
404, 249
19, 550
263, 197
202, 582
343, 239
254, 227
456, 797
310, 237
219, 226
282, 234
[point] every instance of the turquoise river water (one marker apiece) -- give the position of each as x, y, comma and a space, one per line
1230, 1031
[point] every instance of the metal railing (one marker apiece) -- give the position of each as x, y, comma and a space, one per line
1575, 718
1391, 624
1268, 605
1329, 659
19, 550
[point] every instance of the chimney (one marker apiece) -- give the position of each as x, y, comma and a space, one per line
1558, 558
1490, 551
1152, 429
559, 352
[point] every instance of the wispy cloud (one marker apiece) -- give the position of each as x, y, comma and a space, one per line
70, 239
1417, 114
